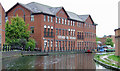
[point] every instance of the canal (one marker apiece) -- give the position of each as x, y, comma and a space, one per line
66, 61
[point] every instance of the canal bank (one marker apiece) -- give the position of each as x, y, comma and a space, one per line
34, 53
104, 60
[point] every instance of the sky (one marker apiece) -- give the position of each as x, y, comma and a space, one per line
103, 12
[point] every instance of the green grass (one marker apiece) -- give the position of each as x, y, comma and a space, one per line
115, 58
109, 63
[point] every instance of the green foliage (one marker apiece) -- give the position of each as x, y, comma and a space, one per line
16, 33
109, 42
97, 39
31, 44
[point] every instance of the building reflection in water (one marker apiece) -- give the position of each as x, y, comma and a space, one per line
72, 61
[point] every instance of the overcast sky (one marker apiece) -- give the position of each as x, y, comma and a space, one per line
103, 12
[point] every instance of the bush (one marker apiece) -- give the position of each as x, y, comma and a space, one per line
31, 44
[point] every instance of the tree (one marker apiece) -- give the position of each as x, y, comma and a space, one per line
109, 42
31, 44
16, 32
97, 39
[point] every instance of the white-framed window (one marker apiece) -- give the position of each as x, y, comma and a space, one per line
51, 19
32, 17
69, 22
56, 43
44, 17
73, 33
59, 20
62, 21
65, 22
51, 43
73, 23
48, 43
56, 20
48, 18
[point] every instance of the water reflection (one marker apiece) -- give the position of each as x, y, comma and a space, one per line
68, 61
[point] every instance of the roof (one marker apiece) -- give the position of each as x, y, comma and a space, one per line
83, 17
74, 16
40, 8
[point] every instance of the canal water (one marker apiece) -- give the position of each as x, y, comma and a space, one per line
66, 61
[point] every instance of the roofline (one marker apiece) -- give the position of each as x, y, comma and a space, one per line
2, 7
65, 12
15, 6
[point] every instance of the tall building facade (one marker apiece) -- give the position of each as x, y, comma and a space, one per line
55, 29
2, 26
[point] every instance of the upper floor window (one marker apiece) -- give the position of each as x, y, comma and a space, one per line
62, 21
56, 31
56, 20
0, 19
32, 29
65, 22
59, 31
59, 20
44, 17
48, 18
32, 17
51, 19
73, 23
69, 22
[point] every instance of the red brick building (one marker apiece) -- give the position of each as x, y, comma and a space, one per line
2, 26
56, 29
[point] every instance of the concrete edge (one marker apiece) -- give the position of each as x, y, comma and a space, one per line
106, 65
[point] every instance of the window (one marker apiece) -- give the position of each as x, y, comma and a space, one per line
48, 18
65, 43
65, 22
56, 43
51, 32
32, 30
51, 43
48, 43
62, 21
32, 17
44, 17
73, 23
77, 24
69, 22
59, 20
0, 19
51, 19
69, 32
59, 43
56, 31
44, 32
63, 32
56, 20
69, 44
73, 33
59, 31
48, 31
